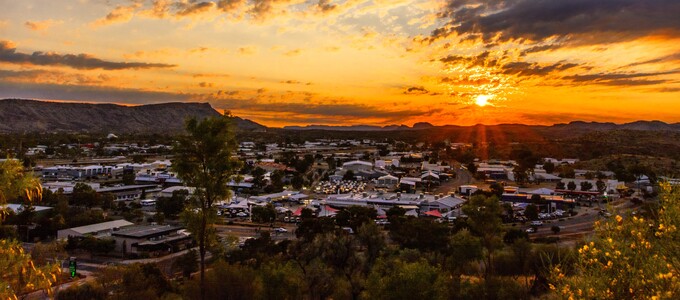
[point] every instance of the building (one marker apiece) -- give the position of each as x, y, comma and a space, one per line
357, 165
151, 239
387, 181
97, 230
127, 192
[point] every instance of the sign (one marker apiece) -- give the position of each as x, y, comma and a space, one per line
72, 267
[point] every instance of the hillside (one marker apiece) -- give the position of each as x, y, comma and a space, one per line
20, 116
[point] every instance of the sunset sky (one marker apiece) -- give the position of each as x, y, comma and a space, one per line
381, 62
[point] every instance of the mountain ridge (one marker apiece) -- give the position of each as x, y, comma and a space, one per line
27, 115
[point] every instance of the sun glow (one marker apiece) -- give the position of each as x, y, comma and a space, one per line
483, 100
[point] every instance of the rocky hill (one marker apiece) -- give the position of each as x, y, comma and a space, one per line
18, 115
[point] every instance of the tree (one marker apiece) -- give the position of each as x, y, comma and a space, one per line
264, 214
586, 186
549, 167
187, 263
571, 185
406, 280
484, 218
601, 186
560, 185
84, 195
204, 160
297, 181
531, 212
171, 207
555, 229
349, 175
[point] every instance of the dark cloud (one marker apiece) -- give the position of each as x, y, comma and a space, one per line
330, 110
481, 60
668, 58
187, 9
206, 84
541, 48
619, 79
326, 6
9, 54
534, 69
416, 90
585, 21
230, 5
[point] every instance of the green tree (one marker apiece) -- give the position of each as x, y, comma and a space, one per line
349, 175
484, 219
264, 214
560, 185
396, 279
84, 195
204, 160
173, 206
187, 263
531, 212
549, 167
571, 185
586, 186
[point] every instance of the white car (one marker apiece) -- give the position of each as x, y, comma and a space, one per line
530, 230
280, 230
536, 223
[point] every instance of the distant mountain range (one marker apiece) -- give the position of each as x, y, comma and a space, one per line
22, 116
576, 126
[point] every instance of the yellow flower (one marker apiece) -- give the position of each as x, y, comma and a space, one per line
619, 219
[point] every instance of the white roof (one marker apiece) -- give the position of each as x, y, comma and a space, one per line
412, 212
388, 176
101, 226
357, 162
542, 191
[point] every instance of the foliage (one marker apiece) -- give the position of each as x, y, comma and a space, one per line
631, 257
204, 160
14, 183
264, 214
173, 206
397, 279
225, 281
87, 291
355, 216
531, 212
20, 274
187, 263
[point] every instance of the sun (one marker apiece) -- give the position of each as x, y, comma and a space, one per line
483, 100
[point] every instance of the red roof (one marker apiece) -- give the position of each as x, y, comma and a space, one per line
298, 212
434, 213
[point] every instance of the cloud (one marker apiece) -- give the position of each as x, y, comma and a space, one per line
326, 6
416, 90
120, 14
188, 9
9, 54
534, 69
230, 5
41, 25
578, 21
52, 77
619, 79
206, 84
247, 50
483, 59
293, 52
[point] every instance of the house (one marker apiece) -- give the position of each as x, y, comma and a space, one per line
357, 165
387, 181
99, 229
467, 189
150, 239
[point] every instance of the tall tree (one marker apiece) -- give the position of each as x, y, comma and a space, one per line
204, 160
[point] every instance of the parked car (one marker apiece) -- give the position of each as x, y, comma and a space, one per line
280, 230
530, 230
536, 223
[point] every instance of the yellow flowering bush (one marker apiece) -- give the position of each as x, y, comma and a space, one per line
19, 274
629, 257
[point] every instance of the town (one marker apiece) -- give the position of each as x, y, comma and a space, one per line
110, 201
